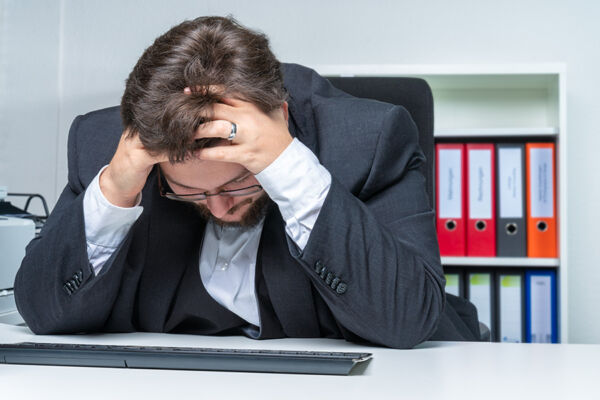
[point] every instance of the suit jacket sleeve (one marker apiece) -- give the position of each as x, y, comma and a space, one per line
374, 257
55, 288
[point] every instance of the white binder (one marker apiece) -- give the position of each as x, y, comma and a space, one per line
511, 311
480, 294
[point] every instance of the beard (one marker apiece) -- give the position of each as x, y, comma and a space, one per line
253, 215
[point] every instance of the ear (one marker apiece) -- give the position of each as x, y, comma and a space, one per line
286, 113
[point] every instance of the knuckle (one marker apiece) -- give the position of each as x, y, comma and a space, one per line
225, 128
249, 157
219, 154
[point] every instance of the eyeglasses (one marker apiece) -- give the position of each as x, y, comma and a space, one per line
245, 191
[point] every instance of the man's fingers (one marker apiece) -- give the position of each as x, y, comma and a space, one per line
212, 89
217, 90
233, 102
220, 153
224, 111
214, 129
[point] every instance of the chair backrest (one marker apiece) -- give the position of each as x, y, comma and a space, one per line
414, 94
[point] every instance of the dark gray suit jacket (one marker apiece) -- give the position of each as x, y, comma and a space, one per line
370, 270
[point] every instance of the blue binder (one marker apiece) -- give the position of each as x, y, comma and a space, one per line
541, 307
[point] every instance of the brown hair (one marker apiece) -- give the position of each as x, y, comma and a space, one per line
196, 54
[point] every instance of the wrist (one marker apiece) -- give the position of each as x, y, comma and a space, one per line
113, 194
274, 155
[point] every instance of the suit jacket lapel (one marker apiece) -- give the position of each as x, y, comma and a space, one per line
175, 233
289, 288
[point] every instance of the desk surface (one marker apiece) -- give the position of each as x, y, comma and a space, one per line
433, 370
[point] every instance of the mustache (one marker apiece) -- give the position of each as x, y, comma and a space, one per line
239, 205
257, 209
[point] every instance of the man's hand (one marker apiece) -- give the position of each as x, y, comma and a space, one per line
126, 175
260, 137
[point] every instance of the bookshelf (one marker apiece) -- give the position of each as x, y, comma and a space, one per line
518, 262
500, 102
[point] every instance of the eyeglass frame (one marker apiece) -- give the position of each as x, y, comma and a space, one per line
184, 197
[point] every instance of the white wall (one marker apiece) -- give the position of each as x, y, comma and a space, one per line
64, 58
29, 101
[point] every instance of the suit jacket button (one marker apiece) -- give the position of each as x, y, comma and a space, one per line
323, 273
68, 288
329, 278
319, 267
78, 277
341, 288
335, 282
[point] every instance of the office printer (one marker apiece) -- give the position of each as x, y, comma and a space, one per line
15, 234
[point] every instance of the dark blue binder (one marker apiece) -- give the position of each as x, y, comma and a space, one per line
541, 319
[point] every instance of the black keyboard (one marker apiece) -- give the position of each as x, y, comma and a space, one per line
188, 358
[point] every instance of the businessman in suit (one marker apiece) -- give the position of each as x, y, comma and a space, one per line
238, 195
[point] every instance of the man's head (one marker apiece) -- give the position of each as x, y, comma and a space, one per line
207, 51
202, 54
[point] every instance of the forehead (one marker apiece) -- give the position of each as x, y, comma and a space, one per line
202, 174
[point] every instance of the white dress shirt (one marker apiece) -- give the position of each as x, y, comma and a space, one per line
296, 181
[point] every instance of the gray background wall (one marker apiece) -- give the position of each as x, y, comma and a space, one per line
62, 58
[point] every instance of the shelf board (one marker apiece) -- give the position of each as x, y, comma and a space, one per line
517, 262
495, 132
470, 71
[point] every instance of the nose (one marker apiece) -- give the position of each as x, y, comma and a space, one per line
219, 205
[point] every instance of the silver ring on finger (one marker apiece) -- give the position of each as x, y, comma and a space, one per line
233, 131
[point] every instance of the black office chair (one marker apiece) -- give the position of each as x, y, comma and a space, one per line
415, 95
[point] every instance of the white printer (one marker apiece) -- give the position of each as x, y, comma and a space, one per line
15, 234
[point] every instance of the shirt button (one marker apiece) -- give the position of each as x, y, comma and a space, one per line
224, 266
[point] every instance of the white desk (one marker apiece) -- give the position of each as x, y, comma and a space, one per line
433, 370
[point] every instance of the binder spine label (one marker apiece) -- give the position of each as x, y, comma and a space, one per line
542, 183
450, 195
511, 183
480, 188
541, 313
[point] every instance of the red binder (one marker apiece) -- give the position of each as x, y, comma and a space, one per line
450, 198
481, 200
541, 200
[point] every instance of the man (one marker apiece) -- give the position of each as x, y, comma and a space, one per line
232, 201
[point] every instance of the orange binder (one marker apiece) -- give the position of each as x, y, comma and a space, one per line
541, 200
